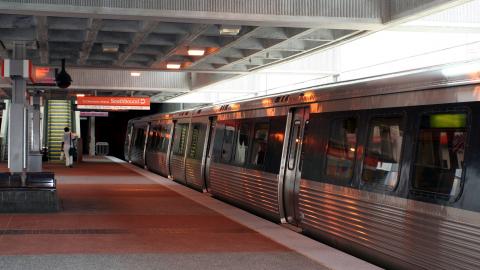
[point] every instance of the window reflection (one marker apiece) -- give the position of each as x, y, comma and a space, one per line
180, 139
341, 149
241, 148
259, 146
228, 142
440, 154
383, 152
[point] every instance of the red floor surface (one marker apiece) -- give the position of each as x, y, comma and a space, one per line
107, 208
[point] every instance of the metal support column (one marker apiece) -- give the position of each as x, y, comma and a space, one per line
35, 156
16, 132
4, 131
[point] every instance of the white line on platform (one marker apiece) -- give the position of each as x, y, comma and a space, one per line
318, 252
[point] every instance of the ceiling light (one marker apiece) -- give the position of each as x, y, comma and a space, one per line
80, 95
135, 74
196, 52
174, 65
110, 48
230, 30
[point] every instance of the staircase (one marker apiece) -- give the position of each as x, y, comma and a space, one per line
59, 117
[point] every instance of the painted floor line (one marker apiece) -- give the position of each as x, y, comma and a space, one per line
318, 252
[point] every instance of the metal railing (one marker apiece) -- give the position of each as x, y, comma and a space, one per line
101, 148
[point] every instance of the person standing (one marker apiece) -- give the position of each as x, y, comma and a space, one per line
68, 147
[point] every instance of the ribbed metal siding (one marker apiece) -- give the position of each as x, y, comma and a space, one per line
193, 172
254, 189
136, 155
399, 7
121, 79
157, 162
428, 238
178, 168
328, 8
466, 13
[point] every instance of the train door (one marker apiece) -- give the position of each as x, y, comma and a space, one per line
171, 133
128, 141
208, 149
181, 136
147, 137
296, 122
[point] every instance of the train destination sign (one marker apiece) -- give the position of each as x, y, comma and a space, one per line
95, 114
113, 103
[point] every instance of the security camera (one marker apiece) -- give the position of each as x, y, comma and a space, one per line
63, 79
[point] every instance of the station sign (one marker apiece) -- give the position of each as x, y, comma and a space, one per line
95, 114
113, 103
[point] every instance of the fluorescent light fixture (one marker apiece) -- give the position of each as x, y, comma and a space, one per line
109, 48
461, 69
80, 95
196, 52
230, 30
174, 65
135, 74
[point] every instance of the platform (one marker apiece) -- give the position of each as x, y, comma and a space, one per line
117, 216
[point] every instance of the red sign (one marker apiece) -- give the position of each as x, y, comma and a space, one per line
44, 76
113, 103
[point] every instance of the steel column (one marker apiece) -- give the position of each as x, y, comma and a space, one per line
16, 132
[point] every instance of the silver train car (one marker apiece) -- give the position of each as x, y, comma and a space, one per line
385, 168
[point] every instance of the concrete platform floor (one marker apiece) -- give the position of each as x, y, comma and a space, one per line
115, 218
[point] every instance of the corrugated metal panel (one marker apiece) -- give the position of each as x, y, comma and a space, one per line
402, 8
254, 189
413, 232
121, 79
193, 172
157, 162
178, 168
328, 8
464, 14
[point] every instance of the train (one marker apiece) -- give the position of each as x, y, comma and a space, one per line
386, 168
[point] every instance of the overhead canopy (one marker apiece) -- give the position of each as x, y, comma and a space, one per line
157, 35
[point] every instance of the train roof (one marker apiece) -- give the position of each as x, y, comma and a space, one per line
464, 73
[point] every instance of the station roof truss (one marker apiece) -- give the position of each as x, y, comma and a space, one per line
148, 35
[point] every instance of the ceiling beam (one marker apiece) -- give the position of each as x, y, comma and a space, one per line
341, 14
195, 32
269, 45
147, 28
94, 25
42, 38
246, 35
3, 51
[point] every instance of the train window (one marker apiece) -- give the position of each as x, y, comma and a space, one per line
242, 144
164, 139
342, 146
292, 152
140, 138
259, 145
180, 139
440, 155
197, 141
382, 156
275, 144
228, 141
152, 137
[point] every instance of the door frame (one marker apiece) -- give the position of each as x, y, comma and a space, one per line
288, 184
